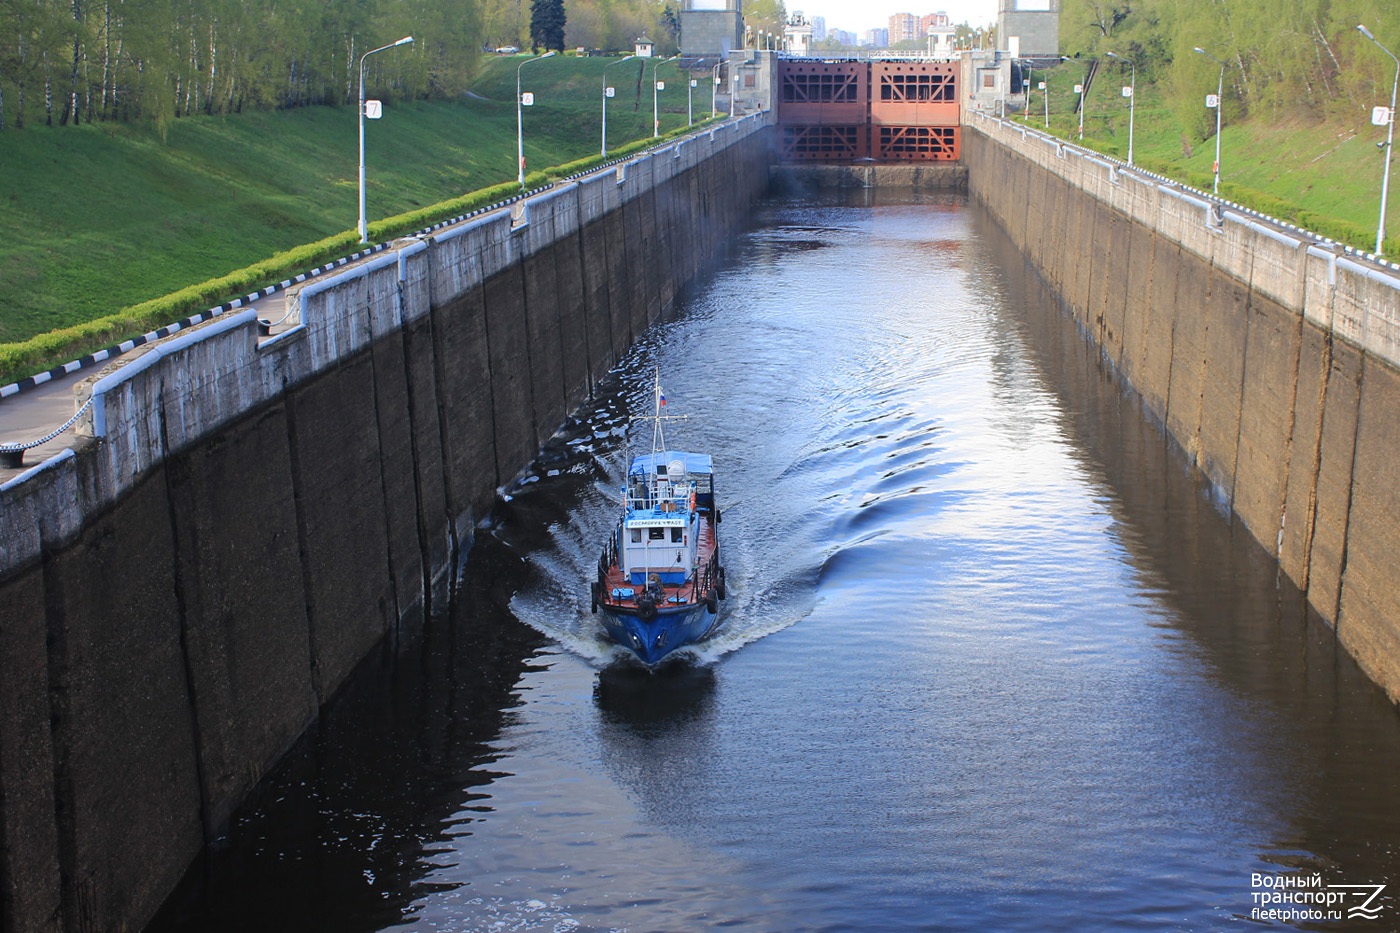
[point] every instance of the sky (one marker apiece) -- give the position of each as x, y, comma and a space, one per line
859, 15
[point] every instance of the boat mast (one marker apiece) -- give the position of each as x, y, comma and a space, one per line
658, 436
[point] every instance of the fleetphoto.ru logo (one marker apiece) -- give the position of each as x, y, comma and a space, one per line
1293, 898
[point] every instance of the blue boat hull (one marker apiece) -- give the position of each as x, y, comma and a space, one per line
651, 641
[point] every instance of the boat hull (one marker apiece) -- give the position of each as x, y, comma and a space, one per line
653, 640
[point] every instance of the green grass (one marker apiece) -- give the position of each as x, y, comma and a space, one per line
111, 230
1323, 177
100, 218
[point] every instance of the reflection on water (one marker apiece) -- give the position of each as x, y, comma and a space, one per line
991, 658
652, 702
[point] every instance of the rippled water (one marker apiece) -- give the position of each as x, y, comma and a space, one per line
991, 659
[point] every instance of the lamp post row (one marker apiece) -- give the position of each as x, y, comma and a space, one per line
1381, 115
1387, 146
520, 104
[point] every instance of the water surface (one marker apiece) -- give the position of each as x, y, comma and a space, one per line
991, 659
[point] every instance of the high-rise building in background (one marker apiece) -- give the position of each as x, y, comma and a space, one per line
879, 38
818, 28
903, 27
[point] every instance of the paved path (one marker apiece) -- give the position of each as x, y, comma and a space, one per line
35, 413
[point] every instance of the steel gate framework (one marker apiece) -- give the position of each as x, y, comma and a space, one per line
848, 111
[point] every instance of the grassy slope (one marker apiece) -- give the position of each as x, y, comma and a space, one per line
96, 218
1326, 177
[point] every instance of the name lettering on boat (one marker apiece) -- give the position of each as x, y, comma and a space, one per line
656, 523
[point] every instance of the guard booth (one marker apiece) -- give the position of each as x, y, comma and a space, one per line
889, 111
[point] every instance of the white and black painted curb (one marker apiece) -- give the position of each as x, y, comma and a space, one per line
101, 356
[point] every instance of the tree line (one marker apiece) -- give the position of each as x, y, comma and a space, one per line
1282, 58
66, 62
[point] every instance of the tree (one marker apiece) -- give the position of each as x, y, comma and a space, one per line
547, 20
768, 15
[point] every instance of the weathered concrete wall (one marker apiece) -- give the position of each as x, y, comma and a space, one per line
248, 518
921, 176
1271, 358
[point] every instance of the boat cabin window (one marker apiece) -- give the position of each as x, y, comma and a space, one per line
676, 535
656, 534
636, 536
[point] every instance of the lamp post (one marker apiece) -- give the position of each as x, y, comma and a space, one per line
605, 99
1389, 138
1025, 88
1219, 101
690, 84
1079, 89
1132, 102
714, 90
520, 117
364, 225
655, 108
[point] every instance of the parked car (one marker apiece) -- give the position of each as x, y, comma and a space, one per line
507, 50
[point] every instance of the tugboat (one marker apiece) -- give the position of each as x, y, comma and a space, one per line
659, 578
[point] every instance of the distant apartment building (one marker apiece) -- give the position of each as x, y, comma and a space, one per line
879, 38
904, 27
818, 28
843, 38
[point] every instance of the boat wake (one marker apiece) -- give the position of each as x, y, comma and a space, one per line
569, 499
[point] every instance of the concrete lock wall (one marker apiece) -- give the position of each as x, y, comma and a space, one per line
245, 518
1269, 355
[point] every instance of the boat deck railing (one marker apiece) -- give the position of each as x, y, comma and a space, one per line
681, 501
702, 582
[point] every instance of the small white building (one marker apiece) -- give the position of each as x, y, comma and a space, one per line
643, 47
797, 34
941, 41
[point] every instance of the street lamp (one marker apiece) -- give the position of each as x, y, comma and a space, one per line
1132, 102
1219, 105
689, 99
1389, 138
1079, 89
1027, 82
520, 117
606, 89
714, 90
1045, 92
364, 226
655, 110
